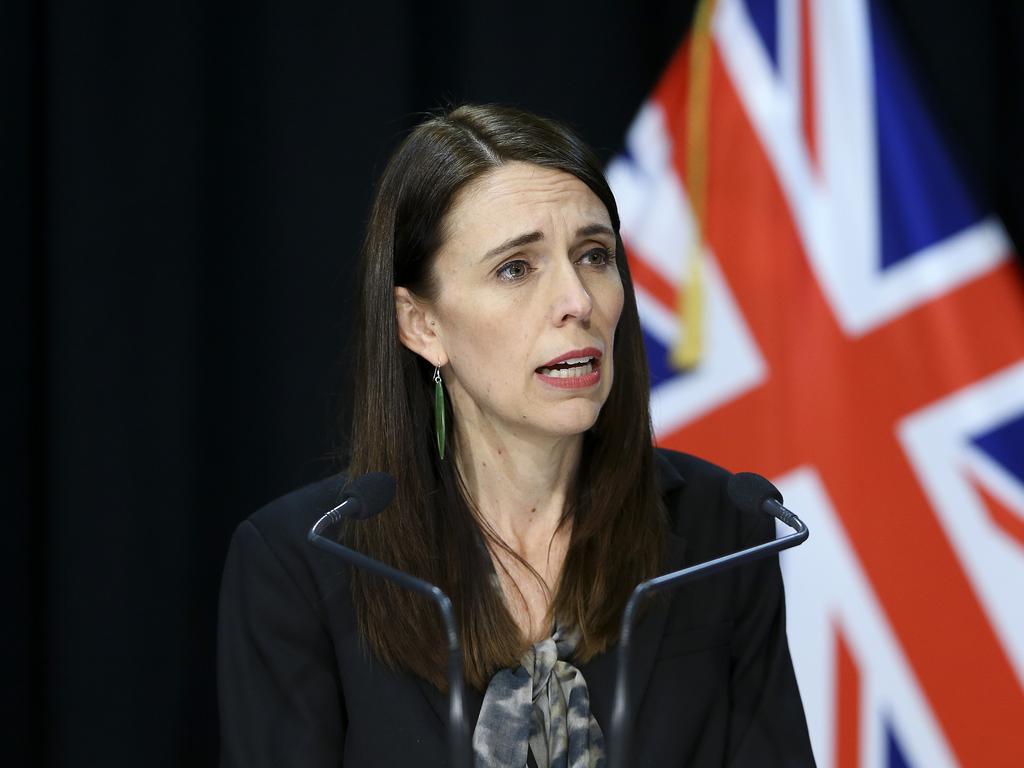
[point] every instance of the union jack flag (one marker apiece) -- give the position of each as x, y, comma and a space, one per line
863, 346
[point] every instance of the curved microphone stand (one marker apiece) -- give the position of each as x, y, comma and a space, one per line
458, 729
622, 720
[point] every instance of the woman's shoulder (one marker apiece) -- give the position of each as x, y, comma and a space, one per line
287, 519
276, 534
676, 469
695, 493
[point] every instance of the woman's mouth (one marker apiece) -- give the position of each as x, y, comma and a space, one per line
574, 368
572, 373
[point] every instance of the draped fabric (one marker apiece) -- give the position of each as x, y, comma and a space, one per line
542, 706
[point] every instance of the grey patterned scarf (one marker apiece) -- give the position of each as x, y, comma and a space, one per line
544, 703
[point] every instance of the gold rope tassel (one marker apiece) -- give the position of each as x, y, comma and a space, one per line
687, 351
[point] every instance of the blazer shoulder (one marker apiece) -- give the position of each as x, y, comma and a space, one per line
279, 529
699, 497
288, 518
677, 468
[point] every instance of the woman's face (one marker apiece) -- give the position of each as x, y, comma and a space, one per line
528, 298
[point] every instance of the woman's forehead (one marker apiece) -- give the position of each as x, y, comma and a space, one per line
513, 193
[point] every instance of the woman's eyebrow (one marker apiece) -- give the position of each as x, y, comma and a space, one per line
532, 237
594, 229
514, 242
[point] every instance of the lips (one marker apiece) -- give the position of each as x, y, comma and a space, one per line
572, 370
574, 357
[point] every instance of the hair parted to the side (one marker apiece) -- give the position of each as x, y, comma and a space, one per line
431, 528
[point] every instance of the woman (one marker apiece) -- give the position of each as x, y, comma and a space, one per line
494, 280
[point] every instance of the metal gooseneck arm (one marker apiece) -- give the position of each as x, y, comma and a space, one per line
621, 736
458, 729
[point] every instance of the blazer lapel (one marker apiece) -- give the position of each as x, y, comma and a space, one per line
599, 672
439, 703
647, 638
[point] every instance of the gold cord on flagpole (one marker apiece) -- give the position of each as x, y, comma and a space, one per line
687, 351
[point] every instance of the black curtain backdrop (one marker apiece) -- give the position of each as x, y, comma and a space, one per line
184, 189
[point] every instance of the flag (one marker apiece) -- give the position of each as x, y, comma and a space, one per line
824, 302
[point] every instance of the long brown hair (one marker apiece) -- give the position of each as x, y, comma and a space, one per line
431, 528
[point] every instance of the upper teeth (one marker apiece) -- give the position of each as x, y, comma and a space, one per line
577, 361
570, 372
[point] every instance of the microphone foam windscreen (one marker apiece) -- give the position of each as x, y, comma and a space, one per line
749, 491
374, 491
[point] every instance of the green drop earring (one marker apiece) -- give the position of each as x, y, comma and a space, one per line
439, 410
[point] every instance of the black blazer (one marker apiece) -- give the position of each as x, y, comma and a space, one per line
713, 680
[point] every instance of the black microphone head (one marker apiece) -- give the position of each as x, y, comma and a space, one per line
749, 492
372, 493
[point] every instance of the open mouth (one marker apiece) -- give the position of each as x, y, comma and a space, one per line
573, 368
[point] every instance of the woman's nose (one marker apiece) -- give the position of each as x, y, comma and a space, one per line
572, 300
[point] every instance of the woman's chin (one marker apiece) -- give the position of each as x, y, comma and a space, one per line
571, 418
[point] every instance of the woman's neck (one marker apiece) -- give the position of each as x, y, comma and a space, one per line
519, 483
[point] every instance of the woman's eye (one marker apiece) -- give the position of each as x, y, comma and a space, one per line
597, 257
514, 270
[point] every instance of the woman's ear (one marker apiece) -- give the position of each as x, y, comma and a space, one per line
417, 327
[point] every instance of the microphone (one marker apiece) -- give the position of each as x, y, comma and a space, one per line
750, 493
365, 497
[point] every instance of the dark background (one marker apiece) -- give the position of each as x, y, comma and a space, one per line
184, 187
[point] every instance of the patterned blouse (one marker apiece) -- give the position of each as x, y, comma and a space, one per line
540, 709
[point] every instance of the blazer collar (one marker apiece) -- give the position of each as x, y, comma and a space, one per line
669, 478
439, 703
